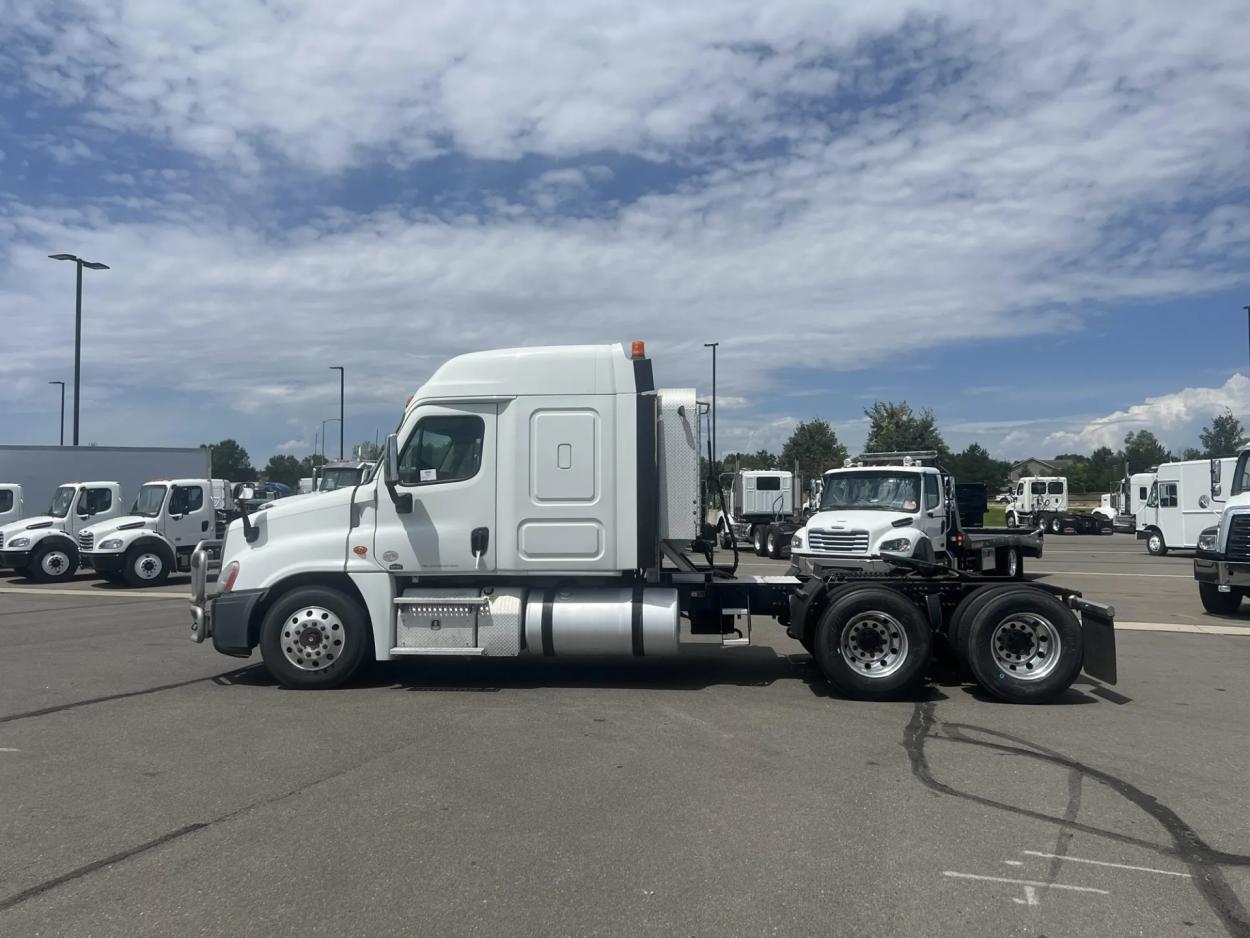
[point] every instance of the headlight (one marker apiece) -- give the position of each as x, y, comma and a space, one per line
1208, 539
113, 543
797, 540
18, 542
900, 545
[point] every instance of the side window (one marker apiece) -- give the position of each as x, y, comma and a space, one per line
1037, 488
1054, 488
1167, 495
1020, 489
95, 501
1153, 500
186, 500
1141, 493
931, 497
768, 483
442, 449
6, 500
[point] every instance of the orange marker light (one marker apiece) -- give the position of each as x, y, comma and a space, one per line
360, 551
638, 349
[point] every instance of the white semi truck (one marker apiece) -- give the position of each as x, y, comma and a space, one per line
546, 501
167, 521
45, 547
757, 498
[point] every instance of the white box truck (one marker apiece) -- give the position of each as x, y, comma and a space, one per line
1179, 506
546, 501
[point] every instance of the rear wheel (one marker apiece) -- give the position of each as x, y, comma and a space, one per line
1007, 562
773, 544
757, 540
1155, 544
1024, 646
1056, 525
1221, 604
53, 563
314, 638
726, 540
873, 644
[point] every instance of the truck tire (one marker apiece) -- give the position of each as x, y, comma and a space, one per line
314, 638
1156, 546
146, 565
873, 644
1040, 521
53, 563
1007, 563
966, 611
773, 544
726, 539
1220, 604
757, 540
1056, 525
1024, 646
1012, 520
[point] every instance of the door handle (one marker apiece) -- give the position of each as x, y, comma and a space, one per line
479, 541
203, 525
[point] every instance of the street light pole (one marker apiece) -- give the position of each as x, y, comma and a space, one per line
62, 384
1247, 309
712, 346
339, 369
80, 264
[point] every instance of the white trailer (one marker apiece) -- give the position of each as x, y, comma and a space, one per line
546, 501
40, 470
1179, 505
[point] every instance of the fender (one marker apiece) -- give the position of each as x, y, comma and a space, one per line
156, 544
58, 539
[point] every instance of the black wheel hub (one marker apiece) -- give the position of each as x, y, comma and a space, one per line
871, 641
1018, 642
310, 638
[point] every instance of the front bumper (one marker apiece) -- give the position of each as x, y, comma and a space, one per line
228, 618
805, 564
14, 558
1211, 568
102, 562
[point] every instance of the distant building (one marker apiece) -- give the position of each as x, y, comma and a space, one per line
1038, 467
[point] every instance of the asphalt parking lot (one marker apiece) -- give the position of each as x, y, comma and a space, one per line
154, 787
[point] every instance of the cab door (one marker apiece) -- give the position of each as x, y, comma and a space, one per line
441, 519
190, 516
933, 512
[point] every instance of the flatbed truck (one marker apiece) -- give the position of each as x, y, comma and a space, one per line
546, 501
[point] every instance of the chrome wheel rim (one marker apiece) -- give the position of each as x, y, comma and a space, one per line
1011, 520
312, 638
1013, 563
54, 563
1026, 646
148, 566
1154, 543
759, 540
874, 644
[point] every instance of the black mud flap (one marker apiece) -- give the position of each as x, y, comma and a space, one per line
1098, 626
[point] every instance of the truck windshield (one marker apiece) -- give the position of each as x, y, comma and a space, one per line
61, 501
871, 491
149, 502
1241, 475
339, 478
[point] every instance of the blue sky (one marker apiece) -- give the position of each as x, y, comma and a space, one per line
1034, 221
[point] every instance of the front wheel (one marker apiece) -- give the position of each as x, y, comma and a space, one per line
53, 563
873, 644
1024, 646
146, 566
1012, 520
1156, 546
1220, 604
314, 638
1056, 525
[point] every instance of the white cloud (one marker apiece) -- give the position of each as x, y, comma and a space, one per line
1175, 418
293, 446
984, 171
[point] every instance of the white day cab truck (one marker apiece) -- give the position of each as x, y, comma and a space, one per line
45, 547
1042, 502
1222, 559
883, 506
757, 499
546, 501
168, 519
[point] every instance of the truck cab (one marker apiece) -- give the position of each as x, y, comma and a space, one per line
44, 547
10, 503
1036, 501
871, 508
1222, 558
168, 519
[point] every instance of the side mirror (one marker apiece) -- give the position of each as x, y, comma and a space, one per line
1216, 468
390, 462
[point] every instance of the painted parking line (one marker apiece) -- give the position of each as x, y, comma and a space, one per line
1035, 883
1165, 576
90, 593
1183, 627
1118, 866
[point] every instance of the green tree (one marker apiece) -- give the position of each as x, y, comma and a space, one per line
1076, 469
894, 427
815, 447
1142, 450
975, 464
283, 468
760, 459
1192, 452
1105, 470
230, 461
1223, 437
308, 463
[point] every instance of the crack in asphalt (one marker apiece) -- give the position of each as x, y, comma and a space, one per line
1187, 845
